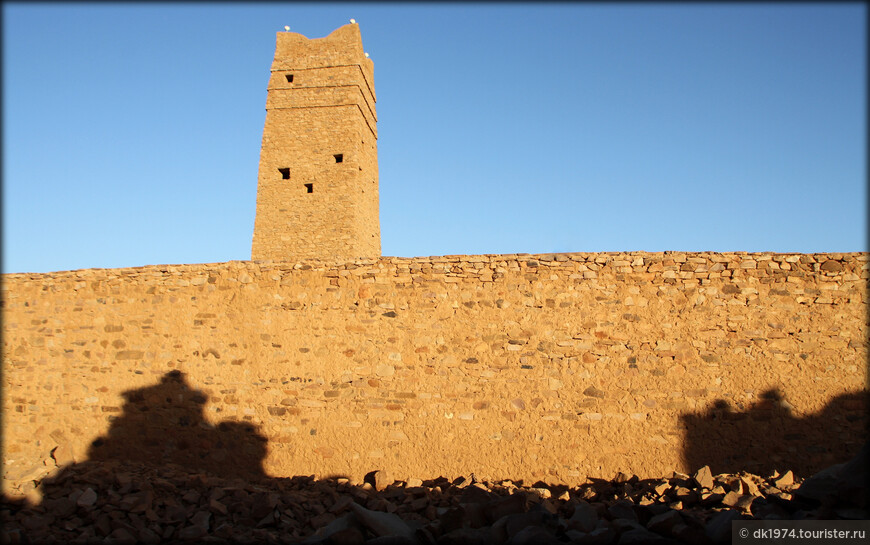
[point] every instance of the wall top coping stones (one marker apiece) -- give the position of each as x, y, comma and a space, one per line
635, 261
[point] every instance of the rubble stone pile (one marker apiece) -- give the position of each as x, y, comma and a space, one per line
139, 503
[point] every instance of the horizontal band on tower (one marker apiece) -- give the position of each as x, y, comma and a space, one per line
298, 69
369, 125
371, 110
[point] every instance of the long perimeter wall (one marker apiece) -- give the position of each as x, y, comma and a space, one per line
557, 368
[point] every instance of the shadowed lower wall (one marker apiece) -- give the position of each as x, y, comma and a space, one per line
552, 367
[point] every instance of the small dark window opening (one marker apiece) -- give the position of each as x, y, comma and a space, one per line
309, 188
339, 157
289, 78
285, 173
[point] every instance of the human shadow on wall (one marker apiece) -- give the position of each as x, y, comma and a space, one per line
766, 436
161, 427
163, 474
165, 423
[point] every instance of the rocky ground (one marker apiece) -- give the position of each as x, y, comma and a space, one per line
127, 503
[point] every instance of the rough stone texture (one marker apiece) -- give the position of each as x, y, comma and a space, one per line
309, 205
406, 365
145, 503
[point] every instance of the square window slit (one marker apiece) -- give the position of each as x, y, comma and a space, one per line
339, 157
285, 173
309, 188
289, 78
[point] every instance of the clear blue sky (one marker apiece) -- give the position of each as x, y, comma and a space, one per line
131, 133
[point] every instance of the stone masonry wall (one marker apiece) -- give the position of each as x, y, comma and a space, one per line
551, 367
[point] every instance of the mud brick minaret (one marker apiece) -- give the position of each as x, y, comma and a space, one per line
317, 190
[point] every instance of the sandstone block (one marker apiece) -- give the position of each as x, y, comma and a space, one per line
592, 391
385, 370
831, 265
382, 524
749, 487
584, 518
88, 498
379, 479
785, 480
703, 477
718, 528
664, 522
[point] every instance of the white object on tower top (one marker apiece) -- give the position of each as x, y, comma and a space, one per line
353, 21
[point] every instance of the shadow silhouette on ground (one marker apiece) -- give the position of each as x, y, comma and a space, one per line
766, 436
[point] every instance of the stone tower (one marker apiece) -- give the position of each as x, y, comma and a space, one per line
317, 189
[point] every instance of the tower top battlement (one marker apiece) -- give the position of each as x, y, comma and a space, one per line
343, 46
